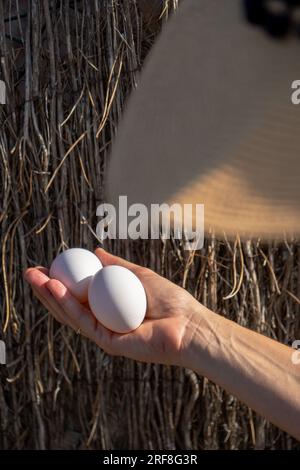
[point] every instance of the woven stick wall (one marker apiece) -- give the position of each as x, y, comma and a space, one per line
69, 66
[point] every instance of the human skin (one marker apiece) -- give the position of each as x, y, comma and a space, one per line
178, 330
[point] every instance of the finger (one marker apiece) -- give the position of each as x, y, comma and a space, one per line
107, 259
80, 317
47, 299
38, 278
42, 269
50, 307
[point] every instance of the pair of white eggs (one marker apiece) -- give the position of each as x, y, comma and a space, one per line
115, 295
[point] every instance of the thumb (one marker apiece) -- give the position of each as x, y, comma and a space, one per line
108, 259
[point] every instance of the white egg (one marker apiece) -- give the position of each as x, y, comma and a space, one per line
75, 268
117, 299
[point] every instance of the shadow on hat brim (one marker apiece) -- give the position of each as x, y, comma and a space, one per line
212, 122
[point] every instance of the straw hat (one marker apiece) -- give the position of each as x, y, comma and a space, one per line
212, 121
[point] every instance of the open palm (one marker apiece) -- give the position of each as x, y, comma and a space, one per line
158, 339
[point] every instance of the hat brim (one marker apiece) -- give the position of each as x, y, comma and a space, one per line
212, 122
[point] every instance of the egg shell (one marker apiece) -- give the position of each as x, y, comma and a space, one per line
117, 298
75, 268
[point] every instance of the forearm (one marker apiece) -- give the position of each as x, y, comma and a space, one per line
256, 369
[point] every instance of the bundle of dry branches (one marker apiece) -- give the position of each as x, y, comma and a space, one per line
69, 66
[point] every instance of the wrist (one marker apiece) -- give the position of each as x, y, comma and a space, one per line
200, 339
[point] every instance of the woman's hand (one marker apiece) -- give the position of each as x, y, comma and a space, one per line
178, 330
161, 338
